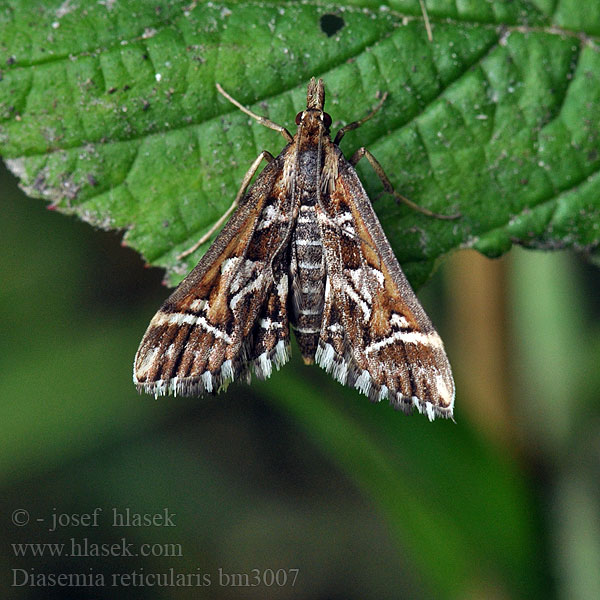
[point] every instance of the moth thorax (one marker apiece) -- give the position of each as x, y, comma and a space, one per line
309, 163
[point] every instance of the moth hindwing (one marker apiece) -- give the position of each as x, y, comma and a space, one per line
302, 248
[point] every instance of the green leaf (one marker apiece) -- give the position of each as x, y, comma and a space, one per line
110, 112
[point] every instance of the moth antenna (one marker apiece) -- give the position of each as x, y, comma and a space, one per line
426, 20
293, 176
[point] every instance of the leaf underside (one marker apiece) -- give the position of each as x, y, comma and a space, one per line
109, 111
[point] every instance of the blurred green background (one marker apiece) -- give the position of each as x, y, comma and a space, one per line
298, 472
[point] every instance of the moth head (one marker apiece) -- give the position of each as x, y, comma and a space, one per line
314, 120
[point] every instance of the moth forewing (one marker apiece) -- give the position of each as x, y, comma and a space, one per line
390, 348
303, 248
208, 331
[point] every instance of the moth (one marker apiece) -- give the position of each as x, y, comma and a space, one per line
303, 248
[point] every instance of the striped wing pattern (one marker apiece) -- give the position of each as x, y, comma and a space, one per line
375, 336
230, 312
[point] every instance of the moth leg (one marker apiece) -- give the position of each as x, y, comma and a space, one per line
245, 183
389, 188
356, 124
262, 120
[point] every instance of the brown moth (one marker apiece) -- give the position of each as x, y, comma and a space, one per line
302, 248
